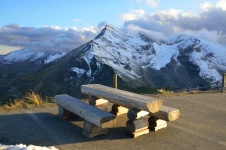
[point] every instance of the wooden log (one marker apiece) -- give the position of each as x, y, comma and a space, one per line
123, 98
137, 125
154, 122
137, 134
167, 113
90, 130
64, 114
134, 114
97, 101
88, 112
157, 127
118, 110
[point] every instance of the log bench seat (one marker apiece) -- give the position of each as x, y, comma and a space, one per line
144, 104
144, 112
96, 120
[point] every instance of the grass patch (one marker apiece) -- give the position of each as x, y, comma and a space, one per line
28, 101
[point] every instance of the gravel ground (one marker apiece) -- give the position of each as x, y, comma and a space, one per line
202, 125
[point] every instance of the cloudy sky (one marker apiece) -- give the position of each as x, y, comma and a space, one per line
62, 25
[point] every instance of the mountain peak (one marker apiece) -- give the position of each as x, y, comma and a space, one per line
109, 27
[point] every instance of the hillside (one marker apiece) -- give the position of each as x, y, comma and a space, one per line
183, 61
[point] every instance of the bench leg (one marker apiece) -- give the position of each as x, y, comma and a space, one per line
138, 127
65, 114
98, 102
118, 110
155, 124
90, 130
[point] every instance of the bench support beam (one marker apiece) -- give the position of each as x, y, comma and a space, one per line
118, 110
65, 114
90, 130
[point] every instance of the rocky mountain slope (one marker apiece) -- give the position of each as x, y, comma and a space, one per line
19, 64
30, 55
181, 61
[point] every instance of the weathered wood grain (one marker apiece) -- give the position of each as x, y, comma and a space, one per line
88, 112
137, 125
118, 110
95, 101
90, 130
167, 113
158, 127
65, 114
134, 114
123, 98
154, 122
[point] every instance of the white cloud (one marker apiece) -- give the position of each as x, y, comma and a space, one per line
56, 27
152, 34
210, 23
206, 6
208, 35
133, 14
221, 4
151, 3
52, 38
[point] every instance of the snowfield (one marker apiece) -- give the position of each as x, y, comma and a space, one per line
30, 55
24, 147
127, 53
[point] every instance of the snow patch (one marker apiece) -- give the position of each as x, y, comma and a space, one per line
164, 54
88, 58
78, 71
210, 57
54, 57
24, 147
22, 55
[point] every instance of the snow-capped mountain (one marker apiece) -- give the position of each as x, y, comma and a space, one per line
180, 61
139, 58
30, 56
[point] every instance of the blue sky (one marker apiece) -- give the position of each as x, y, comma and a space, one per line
62, 25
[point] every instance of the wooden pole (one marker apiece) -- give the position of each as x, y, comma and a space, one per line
115, 81
224, 82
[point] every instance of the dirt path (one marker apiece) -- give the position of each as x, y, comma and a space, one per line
202, 125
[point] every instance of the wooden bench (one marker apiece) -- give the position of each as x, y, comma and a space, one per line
123, 98
132, 100
96, 120
139, 107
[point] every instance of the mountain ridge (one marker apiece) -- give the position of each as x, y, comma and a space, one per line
140, 61
144, 53
30, 55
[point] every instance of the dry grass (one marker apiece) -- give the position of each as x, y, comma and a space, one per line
164, 91
28, 101
33, 98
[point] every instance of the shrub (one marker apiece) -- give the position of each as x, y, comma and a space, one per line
33, 98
